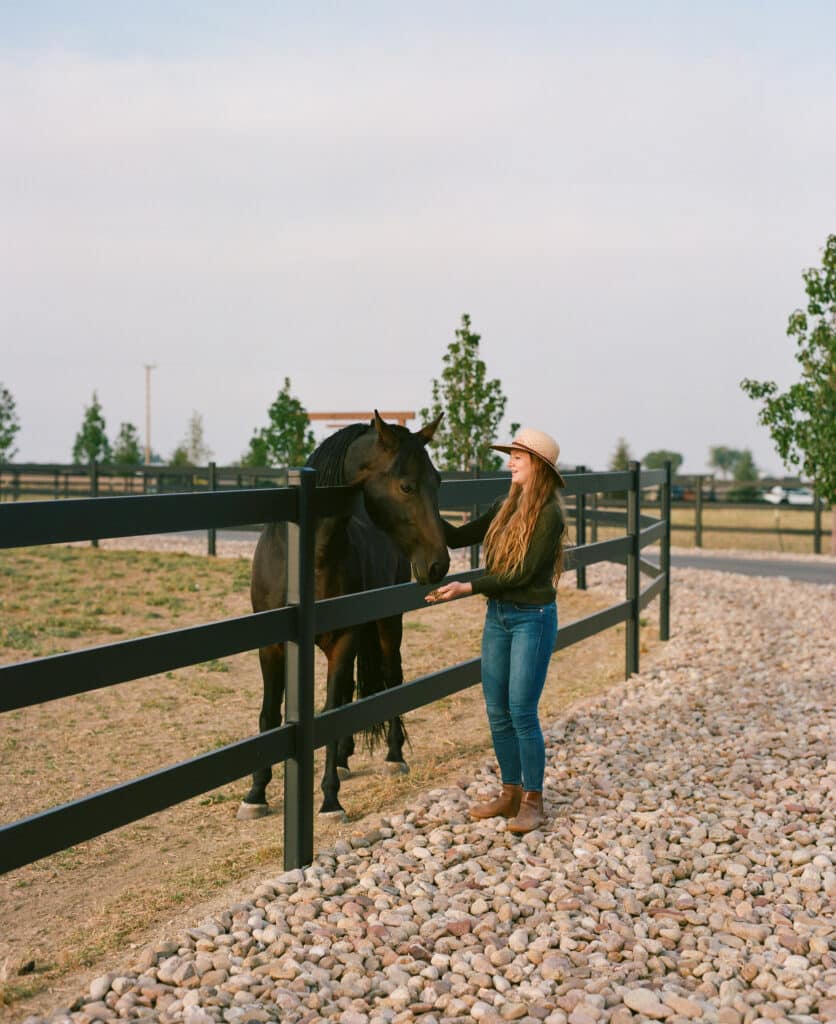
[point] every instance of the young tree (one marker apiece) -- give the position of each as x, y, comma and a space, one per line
91, 443
621, 457
723, 459
802, 419
745, 470
745, 478
180, 457
256, 454
287, 440
192, 450
126, 447
657, 459
9, 425
473, 406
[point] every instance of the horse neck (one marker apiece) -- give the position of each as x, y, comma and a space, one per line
331, 528
352, 476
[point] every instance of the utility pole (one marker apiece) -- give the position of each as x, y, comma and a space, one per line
148, 368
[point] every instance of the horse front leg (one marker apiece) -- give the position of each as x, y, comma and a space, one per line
340, 654
345, 748
390, 632
272, 659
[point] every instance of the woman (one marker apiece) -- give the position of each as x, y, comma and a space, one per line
523, 540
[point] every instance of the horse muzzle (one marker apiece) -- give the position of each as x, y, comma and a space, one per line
432, 573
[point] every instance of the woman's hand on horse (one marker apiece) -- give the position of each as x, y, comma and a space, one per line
449, 591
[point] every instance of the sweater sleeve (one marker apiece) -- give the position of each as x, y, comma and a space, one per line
469, 533
539, 556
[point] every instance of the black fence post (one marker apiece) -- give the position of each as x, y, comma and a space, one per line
593, 507
665, 557
94, 490
212, 533
633, 581
15, 484
580, 532
816, 520
299, 700
698, 512
474, 514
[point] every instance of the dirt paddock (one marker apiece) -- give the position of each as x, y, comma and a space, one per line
77, 912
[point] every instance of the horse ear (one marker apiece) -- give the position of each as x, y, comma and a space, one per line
385, 434
427, 433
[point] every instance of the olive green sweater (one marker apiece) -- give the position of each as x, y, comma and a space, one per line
532, 582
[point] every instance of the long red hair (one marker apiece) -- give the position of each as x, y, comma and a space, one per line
509, 535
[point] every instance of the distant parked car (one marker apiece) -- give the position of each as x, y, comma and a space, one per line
776, 495
779, 495
801, 496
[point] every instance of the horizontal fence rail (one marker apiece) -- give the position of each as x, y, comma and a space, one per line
702, 493
37, 680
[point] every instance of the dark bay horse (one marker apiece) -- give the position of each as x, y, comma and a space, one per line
394, 524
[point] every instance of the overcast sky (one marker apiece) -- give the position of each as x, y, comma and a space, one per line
622, 196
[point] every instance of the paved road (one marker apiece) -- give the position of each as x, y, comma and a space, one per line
804, 571
823, 572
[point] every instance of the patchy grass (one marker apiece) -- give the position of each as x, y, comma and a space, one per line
80, 910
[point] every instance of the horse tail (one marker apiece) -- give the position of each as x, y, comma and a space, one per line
370, 677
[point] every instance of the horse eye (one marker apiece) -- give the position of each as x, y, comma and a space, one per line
406, 488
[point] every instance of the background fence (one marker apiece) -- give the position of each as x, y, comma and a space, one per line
44, 679
698, 501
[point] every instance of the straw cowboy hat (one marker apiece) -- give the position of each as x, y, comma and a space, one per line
541, 446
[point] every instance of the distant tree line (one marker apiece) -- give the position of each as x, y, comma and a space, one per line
731, 463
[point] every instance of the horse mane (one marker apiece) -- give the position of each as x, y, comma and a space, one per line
328, 459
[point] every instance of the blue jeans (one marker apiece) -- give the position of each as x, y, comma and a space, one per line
517, 643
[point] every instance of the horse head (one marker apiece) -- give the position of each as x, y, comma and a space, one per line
400, 489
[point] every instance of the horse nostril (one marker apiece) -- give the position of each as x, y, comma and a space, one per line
437, 572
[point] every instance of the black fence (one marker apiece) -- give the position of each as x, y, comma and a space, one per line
696, 493
28, 480
38, 680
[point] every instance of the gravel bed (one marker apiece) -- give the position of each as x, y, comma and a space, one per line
687, 870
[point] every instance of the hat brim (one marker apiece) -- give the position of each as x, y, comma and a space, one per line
530, 451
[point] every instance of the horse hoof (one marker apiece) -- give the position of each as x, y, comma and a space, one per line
338, 815
249, 812
395, 767
343, 771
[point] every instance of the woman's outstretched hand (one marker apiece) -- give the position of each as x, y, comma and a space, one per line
447, 591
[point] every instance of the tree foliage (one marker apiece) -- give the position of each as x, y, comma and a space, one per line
621, 457
745, 470
473, 406
9, 425
724, 459
256, 454
192, 450
657, 459
745, 478
180, 457
802, 419
126, 447
288, 439
91, 443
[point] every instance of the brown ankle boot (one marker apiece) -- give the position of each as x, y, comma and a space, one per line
531, 814
506, 804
